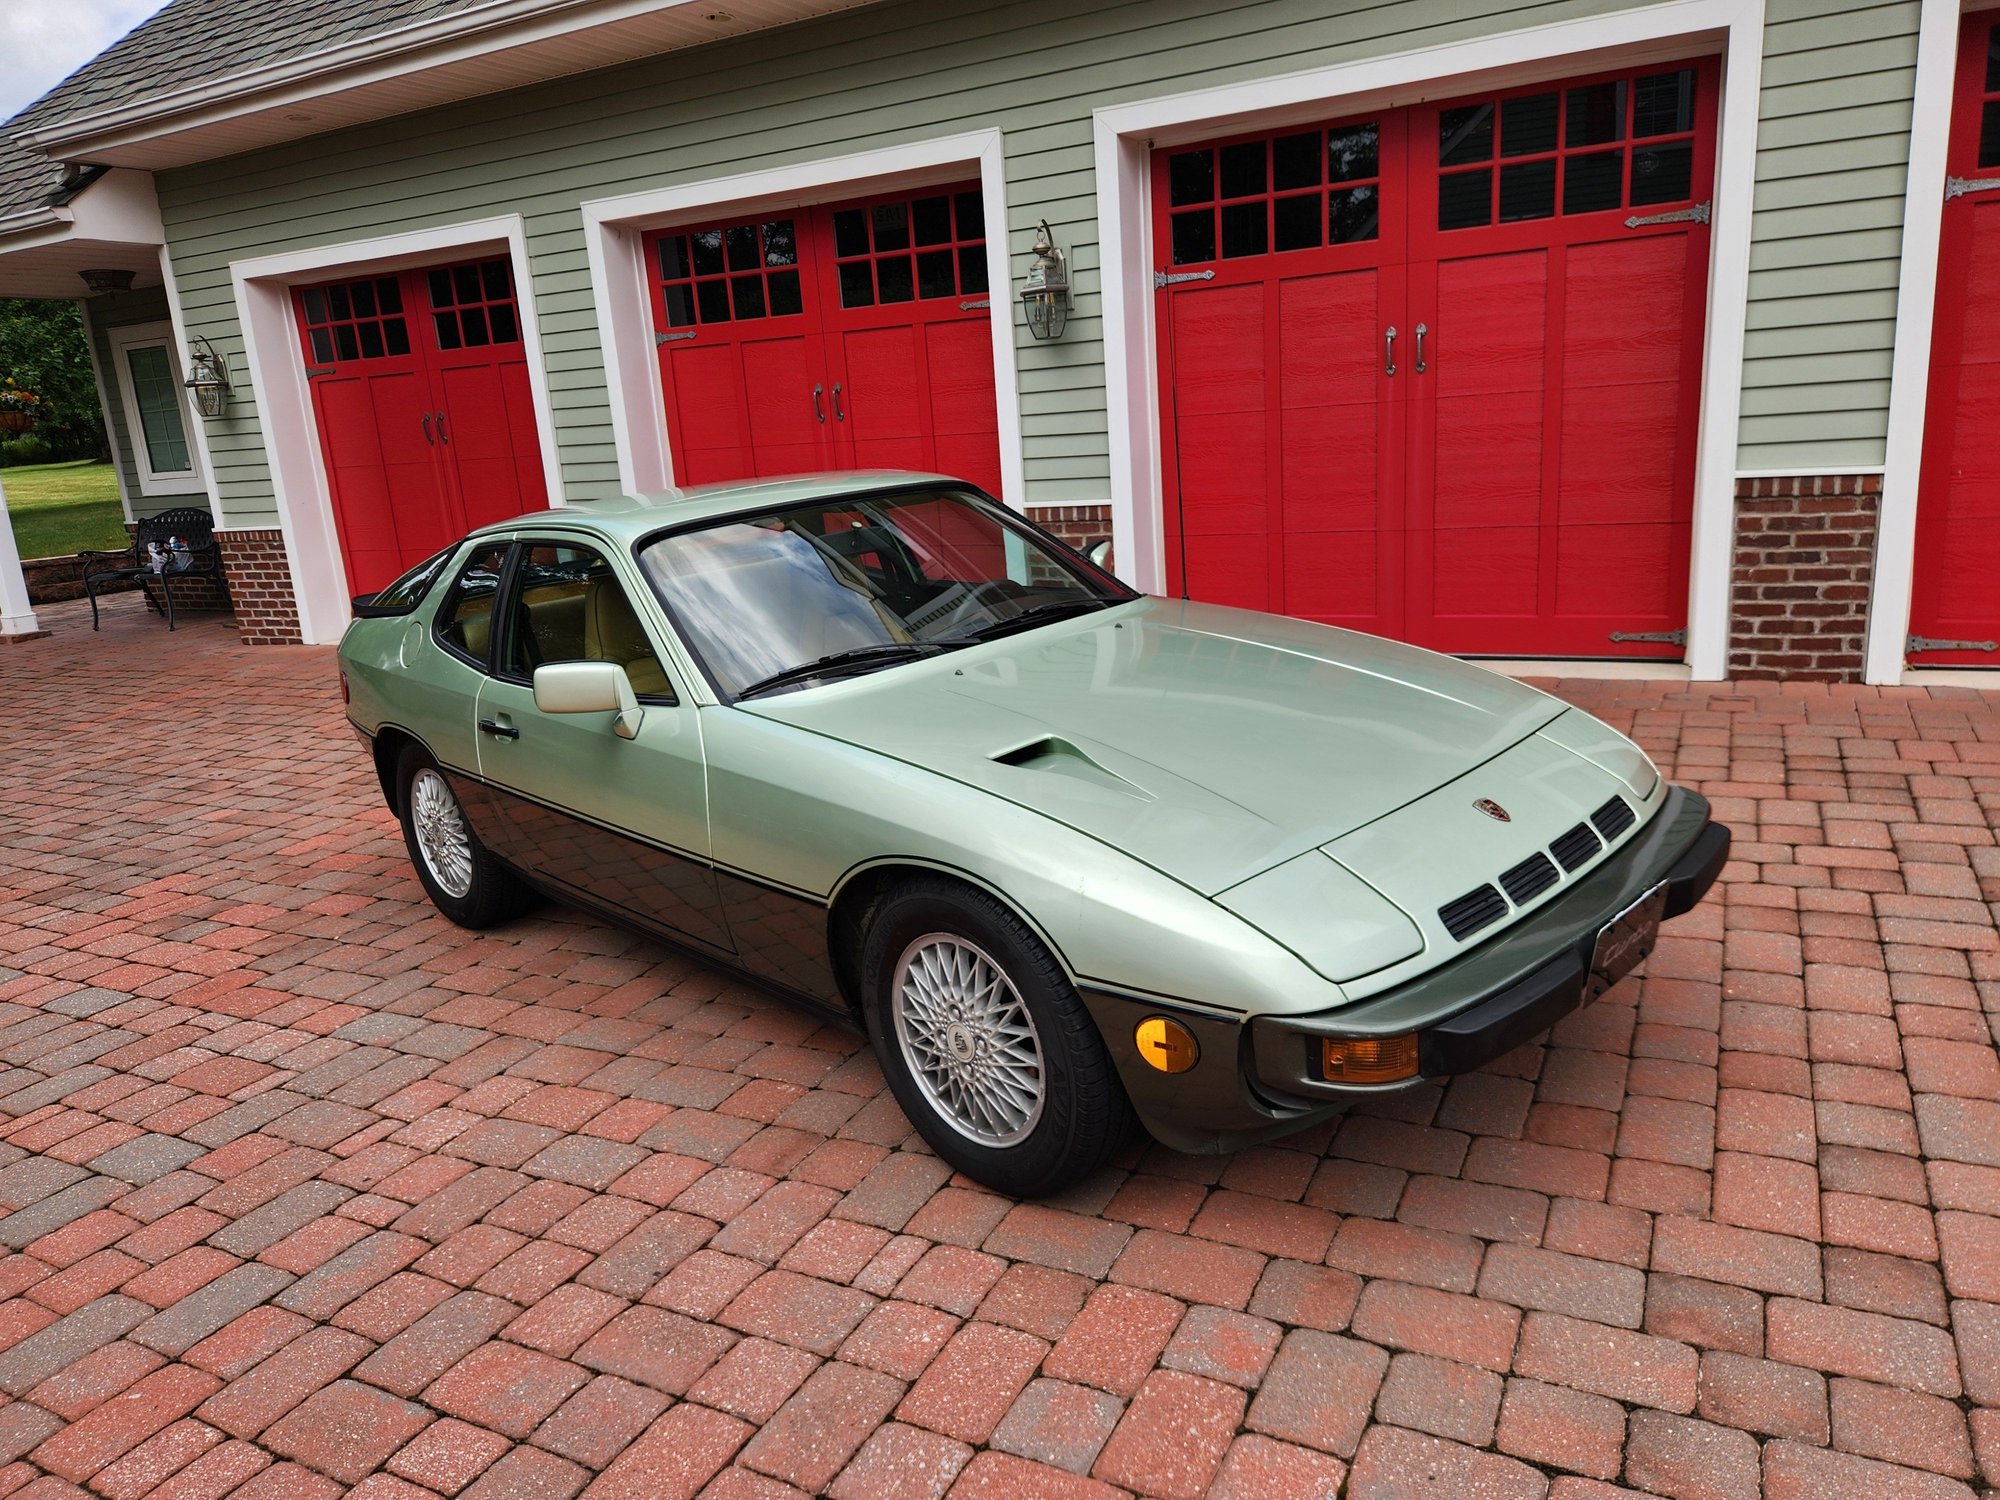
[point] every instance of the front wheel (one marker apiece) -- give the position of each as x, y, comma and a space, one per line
462, 879
985, 1042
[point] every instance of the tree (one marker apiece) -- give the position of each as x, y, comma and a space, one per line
42, 345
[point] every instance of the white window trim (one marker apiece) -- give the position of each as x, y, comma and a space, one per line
284, 398
1910, 370
1127, 133
153, 484
614, 237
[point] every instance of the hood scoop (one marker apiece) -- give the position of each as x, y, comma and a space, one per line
1054, 755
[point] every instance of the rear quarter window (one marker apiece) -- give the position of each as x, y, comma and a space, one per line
407, 592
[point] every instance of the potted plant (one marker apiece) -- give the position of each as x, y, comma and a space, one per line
18, 406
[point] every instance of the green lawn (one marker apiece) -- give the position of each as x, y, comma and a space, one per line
61, 508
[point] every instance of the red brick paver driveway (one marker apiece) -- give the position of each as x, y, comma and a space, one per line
302, 1188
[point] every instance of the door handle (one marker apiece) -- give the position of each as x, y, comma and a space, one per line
838, 414
427, 431
818, 410
1421, 331
441, 437
1389, 351
498, 730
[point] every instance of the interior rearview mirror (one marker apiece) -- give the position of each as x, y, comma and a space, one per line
589, 687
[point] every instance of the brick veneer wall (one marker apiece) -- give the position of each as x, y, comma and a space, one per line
1803, 567
1075, 524
260, 583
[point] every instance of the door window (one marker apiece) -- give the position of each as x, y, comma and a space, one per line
730, 273
473, 305
911, 249
350, 320
569, 606
465, 619
1288, 192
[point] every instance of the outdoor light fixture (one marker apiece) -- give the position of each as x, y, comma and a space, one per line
1046, 296
108, 281
208, 376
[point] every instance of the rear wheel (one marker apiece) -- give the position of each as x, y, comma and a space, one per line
463, 881
985, 1042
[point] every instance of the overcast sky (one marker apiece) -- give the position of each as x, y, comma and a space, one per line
44, 41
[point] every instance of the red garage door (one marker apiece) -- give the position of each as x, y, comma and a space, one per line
426, 424
1433, 373
1955, 592
848, 337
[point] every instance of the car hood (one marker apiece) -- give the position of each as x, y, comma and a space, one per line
1210, 743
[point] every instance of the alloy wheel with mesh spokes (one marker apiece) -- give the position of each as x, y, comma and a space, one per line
442, 837
461, 876
970, 1041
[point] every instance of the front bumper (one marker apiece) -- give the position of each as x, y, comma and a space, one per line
1260, 1079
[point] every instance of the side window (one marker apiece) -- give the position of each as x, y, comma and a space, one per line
569, 606
465, 619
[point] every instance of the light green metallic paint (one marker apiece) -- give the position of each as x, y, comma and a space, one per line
1240, 743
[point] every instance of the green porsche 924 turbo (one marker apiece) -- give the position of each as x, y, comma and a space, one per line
1068, 853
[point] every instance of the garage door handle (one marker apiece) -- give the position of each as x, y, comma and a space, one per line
427, 431
1389, 351
818, 410
498, 730
441, 437
1421, 331
838, 414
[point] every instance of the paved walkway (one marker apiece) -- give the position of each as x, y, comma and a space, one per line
305, 1189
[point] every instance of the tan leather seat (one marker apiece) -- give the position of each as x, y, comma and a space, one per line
612, 632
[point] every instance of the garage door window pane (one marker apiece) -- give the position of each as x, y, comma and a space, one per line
1244, 231
1465, 199
1528, 126
157, 394
1989, 135
781, 243
1295, 161
707, 247
1353, 152
857, 285
972, 270
892, 279
1593, 183
892, 227
1296, 219
740, 246
1353, 214
1662, 174
783, 291
1465, 134
1191, 177
1663, 103
1194, 236
747, 295
935, 277
712, 297
930, 221
1242, 171
1528, 191
1595, 114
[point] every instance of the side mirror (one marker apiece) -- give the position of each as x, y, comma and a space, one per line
589, 687
1098, 552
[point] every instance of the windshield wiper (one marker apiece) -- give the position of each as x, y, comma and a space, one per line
855, 658
1027, 619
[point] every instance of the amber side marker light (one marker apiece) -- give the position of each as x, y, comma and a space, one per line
1167, 1045
1374, 1059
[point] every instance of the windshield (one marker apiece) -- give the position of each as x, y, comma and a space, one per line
765, 596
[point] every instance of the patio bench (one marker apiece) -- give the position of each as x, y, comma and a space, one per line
152, 558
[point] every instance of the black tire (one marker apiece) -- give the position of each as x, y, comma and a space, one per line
492, 893
1084, 1118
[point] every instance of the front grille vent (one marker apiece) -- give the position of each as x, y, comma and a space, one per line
1614, 818
1477, 908
1576, 848
1528, 879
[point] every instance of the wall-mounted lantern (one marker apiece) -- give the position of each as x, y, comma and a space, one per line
1046, 295
208, 376
108, 281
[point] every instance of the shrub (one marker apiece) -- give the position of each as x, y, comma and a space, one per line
27, 448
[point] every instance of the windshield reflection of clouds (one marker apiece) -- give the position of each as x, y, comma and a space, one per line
759, 600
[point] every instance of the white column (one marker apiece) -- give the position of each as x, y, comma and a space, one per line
16, 618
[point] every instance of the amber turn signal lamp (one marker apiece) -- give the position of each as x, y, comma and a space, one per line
1373, 1059
1167, 1045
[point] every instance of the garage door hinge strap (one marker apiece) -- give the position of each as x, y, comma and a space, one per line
975, 306
1918, 643
1958, 187
1696, 215
1174, 278
1664, 637
322, 370
669, 338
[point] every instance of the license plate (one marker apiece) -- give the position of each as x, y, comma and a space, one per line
1624, 940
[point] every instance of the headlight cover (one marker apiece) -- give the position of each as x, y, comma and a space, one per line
1330, 917
1605, 748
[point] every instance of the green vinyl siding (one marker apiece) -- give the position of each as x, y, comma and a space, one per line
1833, 136
109, 312
1837, 78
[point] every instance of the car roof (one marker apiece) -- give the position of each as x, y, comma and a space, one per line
628, 517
